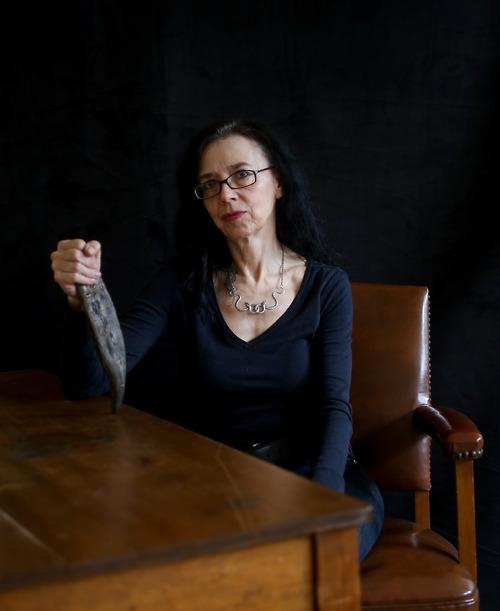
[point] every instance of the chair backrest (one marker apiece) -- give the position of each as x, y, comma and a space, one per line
390, 379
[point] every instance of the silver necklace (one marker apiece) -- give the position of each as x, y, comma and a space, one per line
260, 308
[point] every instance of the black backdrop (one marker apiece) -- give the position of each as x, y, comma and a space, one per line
391, 106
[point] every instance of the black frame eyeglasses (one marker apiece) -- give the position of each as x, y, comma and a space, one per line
238, 180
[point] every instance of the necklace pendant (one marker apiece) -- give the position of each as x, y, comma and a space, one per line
257, 308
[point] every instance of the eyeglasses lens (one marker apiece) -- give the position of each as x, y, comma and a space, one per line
238, 180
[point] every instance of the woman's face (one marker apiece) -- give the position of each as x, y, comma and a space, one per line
240, 213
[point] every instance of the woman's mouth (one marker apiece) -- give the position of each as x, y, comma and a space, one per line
233, 216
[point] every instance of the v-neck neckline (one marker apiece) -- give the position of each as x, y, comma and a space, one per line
252, 342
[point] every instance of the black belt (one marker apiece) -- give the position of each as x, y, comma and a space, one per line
283, 451
278, 451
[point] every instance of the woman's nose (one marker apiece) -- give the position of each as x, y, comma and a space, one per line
226, 193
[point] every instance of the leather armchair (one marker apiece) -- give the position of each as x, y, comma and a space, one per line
411, 566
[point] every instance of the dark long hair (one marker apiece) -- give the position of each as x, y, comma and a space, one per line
201, 246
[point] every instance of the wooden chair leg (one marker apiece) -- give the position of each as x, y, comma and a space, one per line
464, 474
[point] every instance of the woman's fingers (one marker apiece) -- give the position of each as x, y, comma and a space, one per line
76, 262
93, 249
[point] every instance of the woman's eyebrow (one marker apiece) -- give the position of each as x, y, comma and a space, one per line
234, 166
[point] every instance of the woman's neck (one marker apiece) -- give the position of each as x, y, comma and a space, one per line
254, 261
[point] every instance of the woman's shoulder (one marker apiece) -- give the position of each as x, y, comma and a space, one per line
328, 272
330, 284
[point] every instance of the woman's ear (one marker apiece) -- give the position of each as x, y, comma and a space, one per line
279, 188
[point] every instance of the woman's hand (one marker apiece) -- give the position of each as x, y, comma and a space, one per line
76, 262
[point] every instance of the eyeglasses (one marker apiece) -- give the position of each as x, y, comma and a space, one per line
238, 180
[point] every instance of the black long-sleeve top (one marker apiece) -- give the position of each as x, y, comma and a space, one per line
290, 382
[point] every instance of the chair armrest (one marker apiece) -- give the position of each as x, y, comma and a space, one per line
455, 432
461, 440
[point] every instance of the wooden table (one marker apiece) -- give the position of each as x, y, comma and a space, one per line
127, 511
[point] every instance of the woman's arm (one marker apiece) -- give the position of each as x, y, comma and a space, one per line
82, 374
331, 364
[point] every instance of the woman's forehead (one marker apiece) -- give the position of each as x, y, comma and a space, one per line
229, 151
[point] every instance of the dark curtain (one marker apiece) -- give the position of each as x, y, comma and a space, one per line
390, 106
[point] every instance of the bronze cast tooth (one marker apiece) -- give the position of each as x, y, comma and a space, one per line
107, 336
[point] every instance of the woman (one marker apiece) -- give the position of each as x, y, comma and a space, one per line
262, 321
